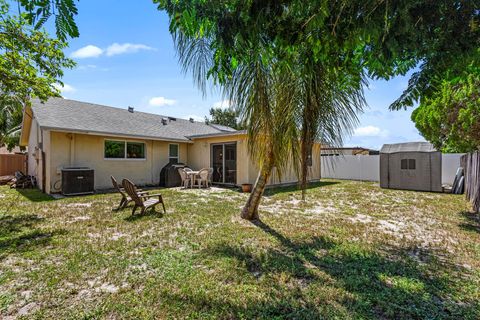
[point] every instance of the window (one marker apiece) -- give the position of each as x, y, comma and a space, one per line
173, 153
114, 149
135, 150
411, 164
124, 150
408, 164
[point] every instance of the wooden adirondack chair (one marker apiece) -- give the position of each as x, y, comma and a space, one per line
142, 201
125, 198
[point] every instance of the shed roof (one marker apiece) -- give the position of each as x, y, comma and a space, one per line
70, 115
408, 147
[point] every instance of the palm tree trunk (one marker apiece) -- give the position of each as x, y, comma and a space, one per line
250, 210
305, 148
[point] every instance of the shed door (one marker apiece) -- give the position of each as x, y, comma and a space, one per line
410, 171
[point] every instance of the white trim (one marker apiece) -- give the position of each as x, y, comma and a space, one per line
125, 150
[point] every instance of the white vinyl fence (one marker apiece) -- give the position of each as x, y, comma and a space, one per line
359, 167
367, 168
450, 164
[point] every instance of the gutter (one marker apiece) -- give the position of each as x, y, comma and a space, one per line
112, 134
220, 134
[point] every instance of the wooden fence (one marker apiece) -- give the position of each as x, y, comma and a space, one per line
471, 165
9, 163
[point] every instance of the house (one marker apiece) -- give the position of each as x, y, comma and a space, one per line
129, 144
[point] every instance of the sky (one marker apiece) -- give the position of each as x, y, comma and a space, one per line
125, 57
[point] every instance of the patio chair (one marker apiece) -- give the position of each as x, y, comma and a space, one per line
184, 177
142, 201
125, 198
202, 178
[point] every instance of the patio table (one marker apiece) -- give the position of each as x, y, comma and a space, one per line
191, 176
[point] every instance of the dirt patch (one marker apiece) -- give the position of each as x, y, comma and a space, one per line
360, 218
79, 218
78, 205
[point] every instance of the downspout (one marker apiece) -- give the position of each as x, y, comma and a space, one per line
72, 149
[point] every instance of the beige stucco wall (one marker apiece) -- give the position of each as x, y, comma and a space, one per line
73, 149
82, 150
200, 153
289, 176
34, 161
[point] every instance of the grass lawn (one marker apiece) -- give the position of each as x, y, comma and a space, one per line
351, 251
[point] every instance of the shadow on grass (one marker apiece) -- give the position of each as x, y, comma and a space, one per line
472, 221
292, 188
137, 216
21, 234
35, 195
387, 285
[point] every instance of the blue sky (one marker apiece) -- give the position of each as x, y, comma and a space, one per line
125, 57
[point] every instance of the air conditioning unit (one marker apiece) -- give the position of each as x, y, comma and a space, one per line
77, 180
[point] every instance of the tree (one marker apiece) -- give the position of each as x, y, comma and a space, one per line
451, 119
276, 58
31, 61
225, 117
10, 122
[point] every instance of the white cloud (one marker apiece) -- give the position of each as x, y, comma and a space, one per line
86, 67
117, 48
89, 51
65, 89
368, 131
224, 104
161, 101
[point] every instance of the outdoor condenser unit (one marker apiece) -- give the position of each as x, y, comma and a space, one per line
78, 180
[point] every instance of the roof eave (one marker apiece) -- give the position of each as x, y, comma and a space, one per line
26, 126
113, 134
220, 134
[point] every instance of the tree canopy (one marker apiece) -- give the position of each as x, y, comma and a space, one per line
226, 117
31, 61
451, 119
384, 38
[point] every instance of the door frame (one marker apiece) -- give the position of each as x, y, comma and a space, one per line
223, 160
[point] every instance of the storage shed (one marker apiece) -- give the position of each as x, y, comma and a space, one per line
411, 166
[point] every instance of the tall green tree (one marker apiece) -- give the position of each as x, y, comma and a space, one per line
251, 48
450, 120
31, 62
226, 117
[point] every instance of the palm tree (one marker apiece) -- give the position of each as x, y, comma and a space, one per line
281, 102
10, 120
263, 96
328, 107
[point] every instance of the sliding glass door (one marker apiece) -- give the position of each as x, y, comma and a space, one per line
224, 163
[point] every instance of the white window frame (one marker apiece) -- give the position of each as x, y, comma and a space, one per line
125, 150
178, 152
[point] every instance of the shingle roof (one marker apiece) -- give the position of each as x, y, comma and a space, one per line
70, 115
408, 147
